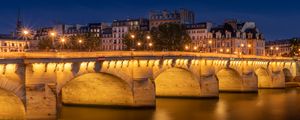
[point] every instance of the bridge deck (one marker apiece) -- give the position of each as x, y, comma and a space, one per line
19, 55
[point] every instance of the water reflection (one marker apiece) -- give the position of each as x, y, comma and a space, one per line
266, 104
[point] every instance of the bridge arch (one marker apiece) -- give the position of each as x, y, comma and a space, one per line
97, 89
175, 82
12, 106
229, 80
264, 77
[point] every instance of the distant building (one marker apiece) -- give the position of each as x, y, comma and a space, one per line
122, 27
181, 16
231, 37
278, 47
107, 39
9, 45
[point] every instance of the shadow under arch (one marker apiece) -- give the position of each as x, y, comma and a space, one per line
11, 105
264, 78
177, 82
287, 75
229, 80
97, 89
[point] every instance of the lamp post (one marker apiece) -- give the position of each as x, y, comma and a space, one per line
210, 44
277, 49
25, 34
62, 40
186, 47
53, 34
150, 45
80, 42
132, 42
241, 49
271, 49
249, 48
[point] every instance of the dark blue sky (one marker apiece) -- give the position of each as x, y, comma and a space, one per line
277, 19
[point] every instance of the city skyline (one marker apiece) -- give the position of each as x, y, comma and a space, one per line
273, 22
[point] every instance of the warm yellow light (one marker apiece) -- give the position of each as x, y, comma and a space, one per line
277, 48
139, 44
25, 32
221, 50
53, 34
148, 37
150, 44
242, 45
249, 45
186, 47
227, 50
195, 48
80, 41
62, 39
271, 48
132, 36
210, 42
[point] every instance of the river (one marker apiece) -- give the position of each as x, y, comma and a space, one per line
272, 104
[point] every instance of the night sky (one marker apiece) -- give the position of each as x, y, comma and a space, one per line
277, 19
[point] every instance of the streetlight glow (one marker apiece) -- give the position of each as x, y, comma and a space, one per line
25, 32
186, 47
132, 36
150, 44
148, 37
139, 44
80, 41
242, 45
210, 41
249, 46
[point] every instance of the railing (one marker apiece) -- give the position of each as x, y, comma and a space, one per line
5, 55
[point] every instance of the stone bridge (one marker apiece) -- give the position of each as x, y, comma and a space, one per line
35, 85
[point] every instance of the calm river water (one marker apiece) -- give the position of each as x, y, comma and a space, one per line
267, 104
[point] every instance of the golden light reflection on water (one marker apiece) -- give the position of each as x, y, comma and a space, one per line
266, 104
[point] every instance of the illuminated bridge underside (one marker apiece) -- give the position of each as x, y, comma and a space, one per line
97, 89
42, 82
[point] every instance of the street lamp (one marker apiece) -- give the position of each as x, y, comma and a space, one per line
148, 37
210, 44
277, 49
80, 42
132, 43
241, 49
53, 35
25, 34
227, 50
195, 48
187, 47
271, 48
249, 48
221, 50
62, 40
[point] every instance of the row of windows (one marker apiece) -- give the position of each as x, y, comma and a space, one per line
11, 44
112, 41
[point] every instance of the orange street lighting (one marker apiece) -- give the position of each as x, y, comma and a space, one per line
210, 41
195, 48
271, 48
249, 46
62, 40
148, 37
79, 41
150, 44
221, 50
52, 34
139, 44
187, 47
227, 50
277, 48
25, 32
242, 45
132, 36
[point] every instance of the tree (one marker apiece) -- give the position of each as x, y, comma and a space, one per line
84, 42
45, 44
294, 44
170, 36
136, 40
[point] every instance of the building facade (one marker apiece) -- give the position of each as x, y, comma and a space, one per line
231, 37
279, 47
120, 28
181, 16
9, 45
